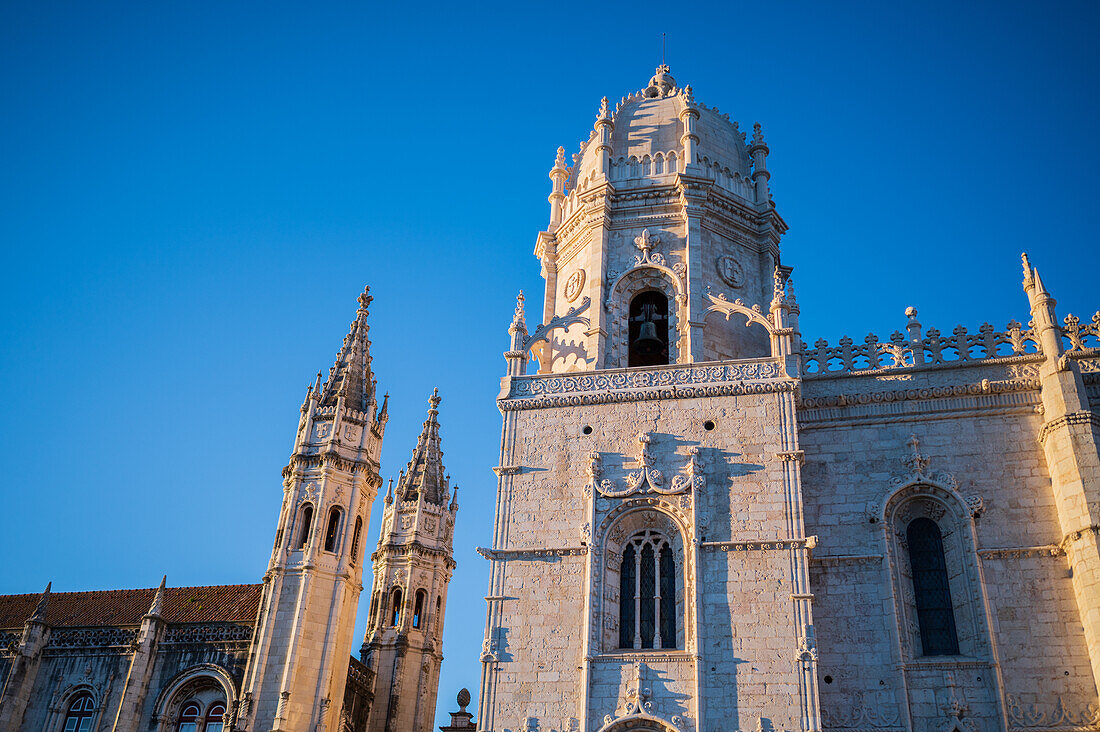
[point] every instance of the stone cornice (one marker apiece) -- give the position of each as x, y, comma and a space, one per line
837, 559
930, 392
1017, 552
919, 409
632, 385
532, 552
1065, 420
760, 545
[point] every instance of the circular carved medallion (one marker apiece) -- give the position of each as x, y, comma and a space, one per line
573, 285
729, 269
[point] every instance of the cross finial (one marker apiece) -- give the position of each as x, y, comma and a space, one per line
365, 298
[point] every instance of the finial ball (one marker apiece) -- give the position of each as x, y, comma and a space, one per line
463, 698
910, 312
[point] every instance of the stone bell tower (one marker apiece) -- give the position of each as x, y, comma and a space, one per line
665, 197
649, 561
413, 565
298, 666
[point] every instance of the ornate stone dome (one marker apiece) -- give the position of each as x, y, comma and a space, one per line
647, 144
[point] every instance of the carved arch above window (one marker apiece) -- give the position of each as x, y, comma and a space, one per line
633, 529
952, 515
204, 677
622, 291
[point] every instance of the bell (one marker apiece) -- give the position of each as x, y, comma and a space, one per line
647, 343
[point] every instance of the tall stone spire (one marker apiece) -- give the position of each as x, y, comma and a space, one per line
296, 680
413, 565
424, 473
350, 377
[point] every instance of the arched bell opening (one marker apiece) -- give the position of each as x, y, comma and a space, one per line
648, 331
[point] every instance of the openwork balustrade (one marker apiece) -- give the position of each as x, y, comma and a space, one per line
916, 350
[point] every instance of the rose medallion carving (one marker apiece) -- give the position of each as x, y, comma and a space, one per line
573, 285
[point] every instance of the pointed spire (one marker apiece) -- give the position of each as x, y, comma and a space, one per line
350, 377
389, 493
39, 614
156, 610
454, 500
424, 474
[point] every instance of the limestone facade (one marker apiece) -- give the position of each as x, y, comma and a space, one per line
749, 533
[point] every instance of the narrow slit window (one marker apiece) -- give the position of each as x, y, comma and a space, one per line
418, 608
931, 589
332, 533
306, 525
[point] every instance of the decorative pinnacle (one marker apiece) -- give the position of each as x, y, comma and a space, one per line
559, 161
156, 610
689, 95
518, 318
463, 699
39, 614
911, 312
365, 299
605, 110
435, 399
757, 134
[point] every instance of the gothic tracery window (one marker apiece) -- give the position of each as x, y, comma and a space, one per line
79, 716
647, 607
932, 591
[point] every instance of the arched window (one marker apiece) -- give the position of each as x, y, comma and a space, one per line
647, 608
355, 539
395, 615
215, 718
189, 718
79, 716
382, 597
333, 530
306, 523
648, 329
935, 613
418, 608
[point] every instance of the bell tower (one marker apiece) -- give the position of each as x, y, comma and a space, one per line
649, 565
665, 208
413, 565
298, 666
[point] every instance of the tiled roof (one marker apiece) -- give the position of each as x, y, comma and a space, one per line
219, 603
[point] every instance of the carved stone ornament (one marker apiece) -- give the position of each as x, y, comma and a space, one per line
645, 243
574, 285
730, 271
638, 707
648, 479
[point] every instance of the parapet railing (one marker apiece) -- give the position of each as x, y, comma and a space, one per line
932, 348
916, 350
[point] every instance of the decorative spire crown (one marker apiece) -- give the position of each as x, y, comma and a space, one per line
424, 474
350, 377
156, 609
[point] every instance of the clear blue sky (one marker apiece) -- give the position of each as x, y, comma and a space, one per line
193, 194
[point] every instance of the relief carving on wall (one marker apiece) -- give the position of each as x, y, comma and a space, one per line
648, 479
573, 285
730, 271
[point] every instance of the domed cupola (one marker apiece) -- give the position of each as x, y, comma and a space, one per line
666, 202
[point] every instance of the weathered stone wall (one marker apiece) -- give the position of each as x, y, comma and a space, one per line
1019, 628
